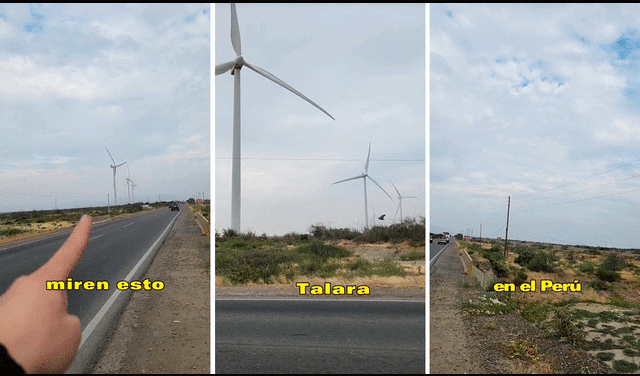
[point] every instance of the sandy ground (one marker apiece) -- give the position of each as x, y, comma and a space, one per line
168, 331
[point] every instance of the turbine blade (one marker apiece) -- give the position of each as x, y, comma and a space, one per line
284, 85
394, 186
409, 197
114, 162
366, 166
235, 31
397, 210
379, 186
120, 164
224, 67
353, 178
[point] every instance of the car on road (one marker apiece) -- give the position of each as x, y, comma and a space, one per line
174, 206
442, 240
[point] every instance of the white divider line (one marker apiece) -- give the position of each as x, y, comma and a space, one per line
95, 237
128, 224
107, 305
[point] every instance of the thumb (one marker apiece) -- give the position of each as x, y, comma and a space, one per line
65, 260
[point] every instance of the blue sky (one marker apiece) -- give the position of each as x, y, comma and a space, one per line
74, 79
540, 103
362, 63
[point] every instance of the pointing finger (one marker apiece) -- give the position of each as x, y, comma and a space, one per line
65, 260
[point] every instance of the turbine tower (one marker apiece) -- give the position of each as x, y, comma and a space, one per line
113, 166
133, 195
235, 66
128, 184
364, 177
400, 197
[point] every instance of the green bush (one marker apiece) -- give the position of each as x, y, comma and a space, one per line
541, 262
322, 250
565, 328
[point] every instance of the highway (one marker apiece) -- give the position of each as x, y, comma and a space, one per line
435, 248
114, 252
319, 336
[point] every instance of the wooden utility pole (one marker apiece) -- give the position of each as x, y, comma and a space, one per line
507, 233
480, 231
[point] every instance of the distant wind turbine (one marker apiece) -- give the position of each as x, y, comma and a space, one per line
235, 66
364, 177
133, 195
113, 166
400, 197
128, 184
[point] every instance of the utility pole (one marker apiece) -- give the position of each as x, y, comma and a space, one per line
480, 231
108, 205
507, 233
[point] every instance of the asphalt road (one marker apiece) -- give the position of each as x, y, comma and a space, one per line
435, 248
319, 336
115, 249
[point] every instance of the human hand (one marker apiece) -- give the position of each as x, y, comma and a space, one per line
35, 327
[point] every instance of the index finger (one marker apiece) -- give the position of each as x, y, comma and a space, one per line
65, 260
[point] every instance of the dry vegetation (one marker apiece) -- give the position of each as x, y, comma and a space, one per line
602, 319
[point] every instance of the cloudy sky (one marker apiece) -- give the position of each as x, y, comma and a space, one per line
540, 103
75, 79
365, 65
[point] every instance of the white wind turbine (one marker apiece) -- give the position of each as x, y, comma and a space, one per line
113, 166
364, 177
235, 66
400, 197
133, 195
128, 183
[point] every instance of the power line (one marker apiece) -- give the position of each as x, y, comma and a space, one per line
39, 195
585, 199
587, 189
325, 159
577, 181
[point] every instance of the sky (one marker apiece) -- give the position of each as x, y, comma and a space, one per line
363, 64
76, 79
539, 103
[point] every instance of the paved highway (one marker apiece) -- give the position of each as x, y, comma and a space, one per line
435, 248
319, 336
115, 250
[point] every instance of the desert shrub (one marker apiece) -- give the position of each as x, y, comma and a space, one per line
607, 275
565, 328
623, 366
541, 262
605, 356
413, 255
240, 266
599, 285
587, 267
387, 268
11, 231
322, 250
535, 312
525, 255
520, 277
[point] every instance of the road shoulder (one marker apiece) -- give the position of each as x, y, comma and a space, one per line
451, 351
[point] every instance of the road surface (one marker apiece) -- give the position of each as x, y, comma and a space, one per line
115, 251
320, 336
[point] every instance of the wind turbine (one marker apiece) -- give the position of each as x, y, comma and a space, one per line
400, 197
133, 195
128, 184
235, 66
364, 177
113, 166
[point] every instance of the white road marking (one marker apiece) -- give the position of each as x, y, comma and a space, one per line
128, 224
107, 305
95, 237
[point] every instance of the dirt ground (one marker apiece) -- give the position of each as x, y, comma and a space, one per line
460, 343
168, 331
